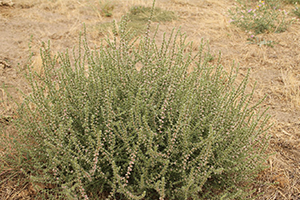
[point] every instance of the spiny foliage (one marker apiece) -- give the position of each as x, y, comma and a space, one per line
177, 128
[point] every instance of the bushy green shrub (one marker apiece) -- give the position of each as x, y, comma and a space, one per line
260, 18
176, 128
296, 10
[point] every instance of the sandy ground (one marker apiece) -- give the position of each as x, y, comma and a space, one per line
276, 70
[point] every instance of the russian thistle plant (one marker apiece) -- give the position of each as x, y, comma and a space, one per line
177, 127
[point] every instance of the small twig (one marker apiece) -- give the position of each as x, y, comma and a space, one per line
3, 62
286, 132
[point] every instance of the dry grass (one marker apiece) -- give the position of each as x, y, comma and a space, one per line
276, 70
291, 89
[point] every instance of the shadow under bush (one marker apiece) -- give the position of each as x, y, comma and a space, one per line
176, 128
